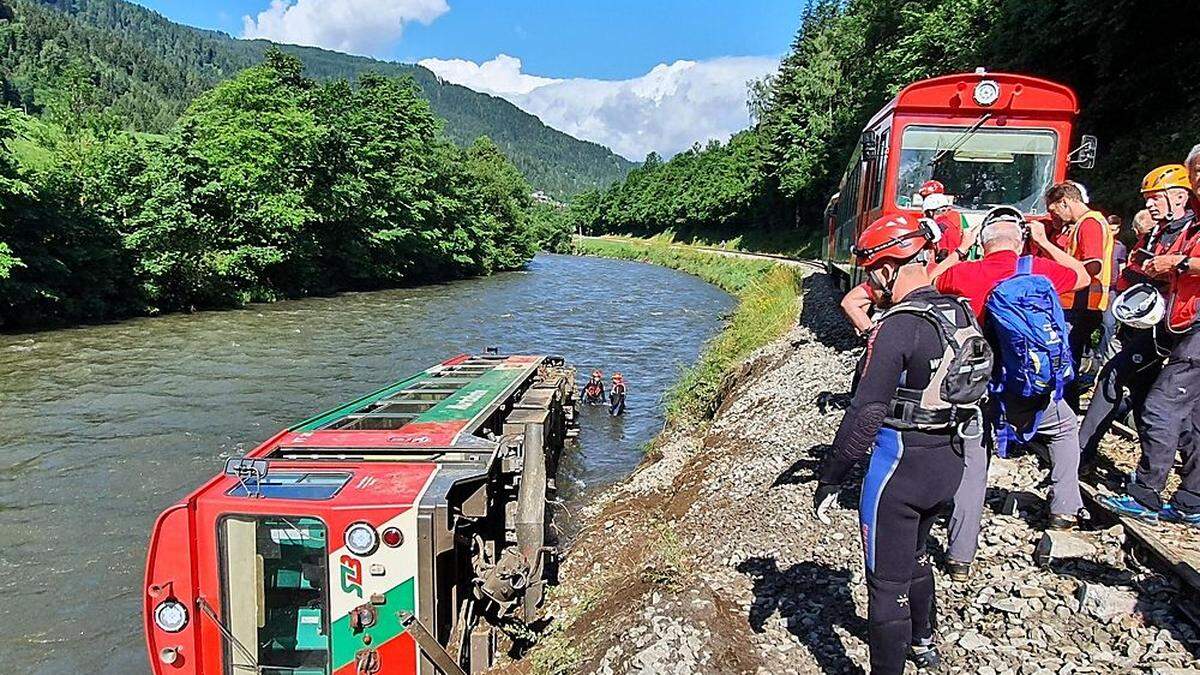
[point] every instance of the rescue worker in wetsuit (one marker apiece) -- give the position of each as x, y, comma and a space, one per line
1171, 412
1128, 376
912, 474
593, 391
616, 395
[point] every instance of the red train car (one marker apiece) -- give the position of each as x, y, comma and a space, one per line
403, 532
991, 138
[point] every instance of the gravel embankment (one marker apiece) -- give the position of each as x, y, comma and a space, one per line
708, 560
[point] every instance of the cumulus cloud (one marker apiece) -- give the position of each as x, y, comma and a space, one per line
665, 110
367, 27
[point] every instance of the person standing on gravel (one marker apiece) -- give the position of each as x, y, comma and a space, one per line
1126, 379
1171, 412
1003, 241
912, 472
1087, 238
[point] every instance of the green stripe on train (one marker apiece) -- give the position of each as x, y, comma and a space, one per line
469, 401
387, 626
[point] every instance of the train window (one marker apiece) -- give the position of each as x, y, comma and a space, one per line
985, 168
292, 485
880, 174
273, 573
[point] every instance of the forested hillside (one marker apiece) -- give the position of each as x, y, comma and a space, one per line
1139, 91
149, 69
269, 185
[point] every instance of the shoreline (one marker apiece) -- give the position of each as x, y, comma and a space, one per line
707, 559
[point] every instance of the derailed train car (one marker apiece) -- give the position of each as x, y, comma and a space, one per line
398, 533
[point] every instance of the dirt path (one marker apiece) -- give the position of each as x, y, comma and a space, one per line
708, 560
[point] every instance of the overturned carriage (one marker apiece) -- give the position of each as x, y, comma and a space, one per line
403, 532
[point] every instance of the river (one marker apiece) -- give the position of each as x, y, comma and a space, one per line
105, 426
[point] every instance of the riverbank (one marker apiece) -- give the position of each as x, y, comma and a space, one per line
708, 560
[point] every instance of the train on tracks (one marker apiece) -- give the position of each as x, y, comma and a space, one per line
405, 532
991, 138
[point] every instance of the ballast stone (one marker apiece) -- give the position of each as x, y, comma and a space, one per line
1104, 602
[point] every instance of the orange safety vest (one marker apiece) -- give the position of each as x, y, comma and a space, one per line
1183, 298
1095, 296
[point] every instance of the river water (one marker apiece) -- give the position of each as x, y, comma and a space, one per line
102, 427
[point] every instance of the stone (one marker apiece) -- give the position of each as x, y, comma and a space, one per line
1055, 545
972, 641
1104, 602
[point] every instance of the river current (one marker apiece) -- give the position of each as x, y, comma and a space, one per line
102, 427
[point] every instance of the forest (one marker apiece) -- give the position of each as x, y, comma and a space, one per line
269, 185
1138, 93
148, 70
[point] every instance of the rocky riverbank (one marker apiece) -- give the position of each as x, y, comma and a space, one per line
708, 560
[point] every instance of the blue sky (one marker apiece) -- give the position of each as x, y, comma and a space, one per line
608, 40
633, 75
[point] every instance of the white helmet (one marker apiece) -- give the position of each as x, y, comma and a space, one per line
1139, 306
936, 201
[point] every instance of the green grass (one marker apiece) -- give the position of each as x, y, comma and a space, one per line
790, 242
767, 296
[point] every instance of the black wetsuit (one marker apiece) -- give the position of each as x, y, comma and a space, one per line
911, 475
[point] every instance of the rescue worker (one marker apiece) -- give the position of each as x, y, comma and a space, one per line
1086, 237
1170, 413
616, 395
1003, 242
1126, 379
593, 391
912, 473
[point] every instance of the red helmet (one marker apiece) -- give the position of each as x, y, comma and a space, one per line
597, 373
932, 187
896, 237
617, 377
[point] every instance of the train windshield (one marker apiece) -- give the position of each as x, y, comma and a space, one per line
981, 169
274, 571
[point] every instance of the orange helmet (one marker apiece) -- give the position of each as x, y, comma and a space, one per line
597, 373
1165, 177
895, 237
617, 377
932, 187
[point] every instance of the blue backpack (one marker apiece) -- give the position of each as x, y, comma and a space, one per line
1026, 320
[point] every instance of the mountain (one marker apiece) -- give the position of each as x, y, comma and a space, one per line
149, 69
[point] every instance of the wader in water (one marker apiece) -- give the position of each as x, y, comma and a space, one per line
925, 370
617, 400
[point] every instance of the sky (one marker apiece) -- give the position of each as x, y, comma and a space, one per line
636, 76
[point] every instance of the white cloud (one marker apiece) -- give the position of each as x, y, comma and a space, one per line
367, 27
665, 110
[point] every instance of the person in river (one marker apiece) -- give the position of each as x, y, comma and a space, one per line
616, 395
914, 465
593, 391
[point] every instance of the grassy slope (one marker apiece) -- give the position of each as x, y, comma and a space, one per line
767, 305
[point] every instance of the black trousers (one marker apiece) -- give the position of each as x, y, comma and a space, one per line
1083, 323
903, 493
1123, 384
1171, 422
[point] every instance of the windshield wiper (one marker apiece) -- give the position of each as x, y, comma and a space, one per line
958, 142
207, 610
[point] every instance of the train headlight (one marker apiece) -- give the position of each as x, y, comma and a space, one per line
987, 92
362, 539
171, 616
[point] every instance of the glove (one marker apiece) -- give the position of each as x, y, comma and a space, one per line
824, 499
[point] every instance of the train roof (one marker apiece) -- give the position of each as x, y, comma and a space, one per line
1019, 96
439, 408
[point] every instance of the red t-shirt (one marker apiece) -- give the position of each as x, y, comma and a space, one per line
950, 223
975, 280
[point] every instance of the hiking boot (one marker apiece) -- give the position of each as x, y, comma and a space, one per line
1172, 514
958, 571
1061, 522
1128, 506
924, 654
